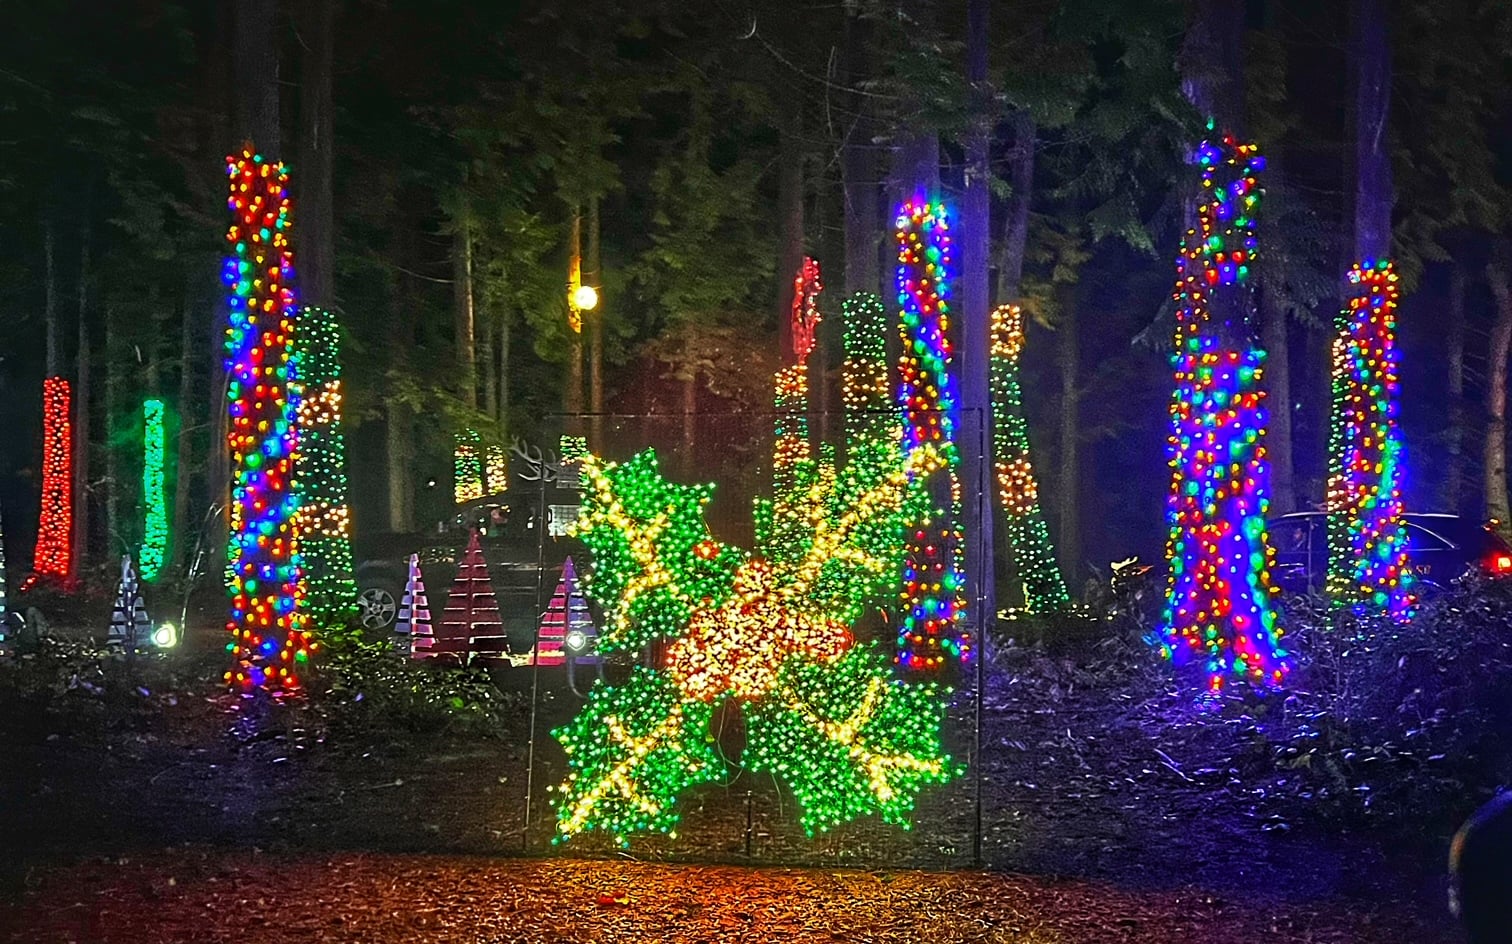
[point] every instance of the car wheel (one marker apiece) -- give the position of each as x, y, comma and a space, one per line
376, 608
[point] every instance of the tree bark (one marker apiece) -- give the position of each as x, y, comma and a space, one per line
504, 338
1010, 270
1374, 193
179, 542
976, 240
1499, 273
858, 167
464, 326
115, 536
572, 395
317, 252
1274, 339
78, 562
50, 301
1211, 62
1454, 472
255, 62
593, 275
1070, 441
397, 451
790, 216
487, 364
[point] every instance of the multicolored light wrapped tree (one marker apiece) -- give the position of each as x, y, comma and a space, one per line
270, 640
154, 548
324, 525
931, 634
1220, 603
1027, 533
54, 555
1367, 540
773, 636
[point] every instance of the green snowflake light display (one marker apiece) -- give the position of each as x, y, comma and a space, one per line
769, 631
323, 523
1028, 535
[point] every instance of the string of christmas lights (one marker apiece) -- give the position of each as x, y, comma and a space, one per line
496, 470
154, 490
54, 553
1367, 540
324, 524
824, 715
806, 314
467, 465
1220, 602
1028, 535
931, 633
270, 643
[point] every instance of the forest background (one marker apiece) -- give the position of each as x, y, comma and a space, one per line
441, 151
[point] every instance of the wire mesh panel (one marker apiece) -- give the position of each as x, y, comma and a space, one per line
754, 598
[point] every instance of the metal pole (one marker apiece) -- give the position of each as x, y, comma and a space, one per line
535, 663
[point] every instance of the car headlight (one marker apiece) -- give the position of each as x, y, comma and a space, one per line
577, 640
165, 636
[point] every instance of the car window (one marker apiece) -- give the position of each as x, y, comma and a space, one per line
1421, 539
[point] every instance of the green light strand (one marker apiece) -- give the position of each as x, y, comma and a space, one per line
1027, 533
320, 481
154, 548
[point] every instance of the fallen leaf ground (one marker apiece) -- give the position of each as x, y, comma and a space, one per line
207, 897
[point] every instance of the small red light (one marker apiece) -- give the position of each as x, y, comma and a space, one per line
1502, 563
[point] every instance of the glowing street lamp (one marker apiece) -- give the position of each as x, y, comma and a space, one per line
584, 297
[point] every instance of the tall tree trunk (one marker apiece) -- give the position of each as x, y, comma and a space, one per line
1454, 472
593, 275
1069, 487
790, 219
1374, 193
1273, 337
180, 542
1499, 273
81, 423
858, 166
487, 365
255, 61
50, 303
504, 339
464, 326
976, 240
115, 361
572, 395
397, 433
317, 251
1010, 270
1212, 75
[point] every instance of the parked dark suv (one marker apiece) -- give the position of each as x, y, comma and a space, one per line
1439, 548
523, 533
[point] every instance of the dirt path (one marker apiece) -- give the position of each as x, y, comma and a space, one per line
206, 897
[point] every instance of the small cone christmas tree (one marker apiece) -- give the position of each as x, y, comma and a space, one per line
413, 633
130, 628
471, 619
567, 611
